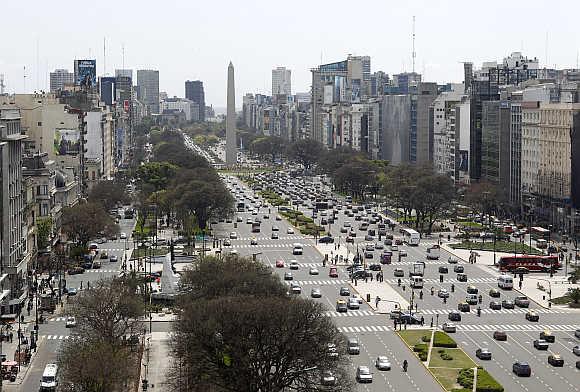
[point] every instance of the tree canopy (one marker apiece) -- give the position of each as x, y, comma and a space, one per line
86, 221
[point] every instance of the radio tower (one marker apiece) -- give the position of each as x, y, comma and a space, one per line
2, 85
413, 36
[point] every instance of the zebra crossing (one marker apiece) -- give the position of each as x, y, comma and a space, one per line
436, 281
280, 238
351, 313
516, 327
370, 328
272, 245
56, 337
103, 271
491, 311
316, 282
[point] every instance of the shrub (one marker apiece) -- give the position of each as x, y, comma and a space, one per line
420, 347
441, 339
426, 338
486, 383
446, 357
465, 378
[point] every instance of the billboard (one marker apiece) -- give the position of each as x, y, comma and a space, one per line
463, 160
86, 73
66, 142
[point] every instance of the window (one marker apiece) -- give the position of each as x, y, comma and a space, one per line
43, 209
39, 123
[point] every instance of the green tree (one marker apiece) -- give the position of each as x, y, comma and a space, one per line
108, 194
431, 198
306, 151
43, 232
574, 294
86, 221
268, 146
155, 176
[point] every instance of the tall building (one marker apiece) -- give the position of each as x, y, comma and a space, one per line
281, 81
108, 90
60, 78
194, 92
420, 143
231, 149
126, 73
148, 86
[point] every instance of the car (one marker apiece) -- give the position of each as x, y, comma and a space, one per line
459, 269
96, 264
363, 374
249, 221
368, 255
483, 354
556, 360
443, 293
288, 276
453, 260
461, 277
522, 369
234, 235
402, 253
495, 305
349, 239
254, 241
239, 219
326, 240
343, 230
279, 263
293, 265
290, 231
398, 241
344, 291
532, 316
274, 236
494, 293
327, 378
454, 315
443, 270
379, 246
369, 237
123, 236
341, 306
313, 271
315, 292
104, 255
576, 350
71, 292
295, 288
522, 301
500, 335
407, 318
375, 267
449, 328
577, 333
71, 322
394, 248
388, 242
382, 363
507, 304
266, 217
541, 344
76, 271
333, 272
463, 307
577, 364
357, 297
548, 336
398, 272
472, 289
353, 303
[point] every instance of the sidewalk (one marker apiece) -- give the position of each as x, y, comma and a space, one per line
390, 298
155, 364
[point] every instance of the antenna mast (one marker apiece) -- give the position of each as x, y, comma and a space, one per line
104, 56
413, 36
2, 85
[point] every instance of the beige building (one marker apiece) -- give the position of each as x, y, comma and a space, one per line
530, 146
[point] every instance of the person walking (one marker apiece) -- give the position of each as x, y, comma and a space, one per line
422, 320
405, 365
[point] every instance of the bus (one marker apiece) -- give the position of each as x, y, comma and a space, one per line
530, 263
410, 237
433, 252
540, 233
49, 380
255, 227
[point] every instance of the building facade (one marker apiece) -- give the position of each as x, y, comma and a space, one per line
61, 78
195, 93
281, 81
148, 89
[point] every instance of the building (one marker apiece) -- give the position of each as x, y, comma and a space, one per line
281, 81
148, 89
60, 78
14, 258
108, 90
124, 73
396, 127
420, 142
189, 108
195, 93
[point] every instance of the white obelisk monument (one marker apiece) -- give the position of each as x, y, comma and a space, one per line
231, 151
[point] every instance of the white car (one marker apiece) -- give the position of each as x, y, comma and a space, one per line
449, 327
71, 322
293, 265
290, 231
313, 271
382, 363
123, 236
233, 235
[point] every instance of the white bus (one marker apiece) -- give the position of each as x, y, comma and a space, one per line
505, 282
411, 237
417, 282
433, 252
49, 380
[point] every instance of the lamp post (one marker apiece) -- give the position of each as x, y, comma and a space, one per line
494, 254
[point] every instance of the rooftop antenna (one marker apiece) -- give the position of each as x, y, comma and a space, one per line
104, 56
24, 92
2, 85
546, 51
413, 36
577, 59
123, 55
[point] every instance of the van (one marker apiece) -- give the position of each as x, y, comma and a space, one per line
353, 346
49, 380
505, 282
417, 282
297, 249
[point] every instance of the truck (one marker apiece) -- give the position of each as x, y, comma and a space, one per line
433, 252
47, 303
417, 269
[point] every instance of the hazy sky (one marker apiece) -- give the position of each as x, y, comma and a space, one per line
194, 39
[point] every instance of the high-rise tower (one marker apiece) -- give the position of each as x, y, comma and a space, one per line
231, 152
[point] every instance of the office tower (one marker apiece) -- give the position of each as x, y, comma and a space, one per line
108, 90
281, 81
231, 151
194, 92
59, 78
127, 73
148, 85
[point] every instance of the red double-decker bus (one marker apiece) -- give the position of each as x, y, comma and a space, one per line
530, 262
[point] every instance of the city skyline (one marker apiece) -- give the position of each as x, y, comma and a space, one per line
440, 46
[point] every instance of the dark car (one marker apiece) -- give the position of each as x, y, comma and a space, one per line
76, 271
507, 304
326, 240
344, 291
407, 318
87, 265
458, 269
454, 315
375, 267
463, 307
443, 270
472, 290
556, 360
500, 335
288, 276
483, 354
548, 336
461, 278
494, 305
494, 293
541, 344
522, 369
113, 259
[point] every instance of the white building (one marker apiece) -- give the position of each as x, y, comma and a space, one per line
189, 108
59, 78
281, 81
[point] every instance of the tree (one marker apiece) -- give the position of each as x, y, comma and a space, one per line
305, 151
155, 176
178, 155
485, 198
354, 177
108, 194
574, 295
332, 160
109, 311
86, 221
43, 232
431, 198
270, 146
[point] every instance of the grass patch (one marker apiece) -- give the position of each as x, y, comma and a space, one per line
450, 357
500, 246
486, 383
414, 336
470, 224
273, 198
143, 252
447, 377
441, 339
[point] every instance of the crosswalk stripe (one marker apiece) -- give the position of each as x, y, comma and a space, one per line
377, 328
516, 327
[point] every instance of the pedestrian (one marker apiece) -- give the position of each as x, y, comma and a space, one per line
422, 320
371, 277
367, 278
395, 324
520, 284
416, 306
10, 336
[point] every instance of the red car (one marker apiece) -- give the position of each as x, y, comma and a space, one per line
279, 263
333, 272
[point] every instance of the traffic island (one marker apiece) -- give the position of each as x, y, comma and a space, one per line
453, 369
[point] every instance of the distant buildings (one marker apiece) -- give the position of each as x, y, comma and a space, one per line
281, 81
189, 108
148, 89
194, 92
60, 78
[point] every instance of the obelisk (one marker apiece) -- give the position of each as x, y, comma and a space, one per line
231, 151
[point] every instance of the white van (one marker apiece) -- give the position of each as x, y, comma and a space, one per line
49, 380
297, 250
433, 252
505, 282
417, 282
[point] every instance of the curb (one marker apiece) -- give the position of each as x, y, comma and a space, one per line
20, 380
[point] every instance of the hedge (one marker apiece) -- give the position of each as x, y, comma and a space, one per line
441, 339
465, 378
421, 350
426, 338
486, 383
